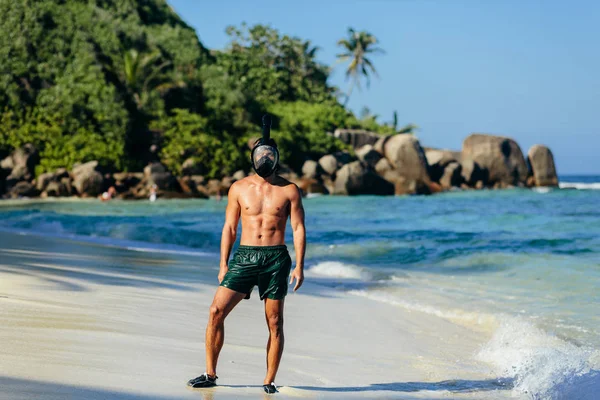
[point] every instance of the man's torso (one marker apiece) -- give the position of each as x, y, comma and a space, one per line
264, 209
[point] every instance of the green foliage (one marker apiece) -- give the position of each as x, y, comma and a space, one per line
368, 121
57, 149
143, 78
301, 130
262, 70
271, 67
65, 58
226, 107
105, 79
409, 128
185, 136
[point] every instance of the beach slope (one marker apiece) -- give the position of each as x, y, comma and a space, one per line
80, 320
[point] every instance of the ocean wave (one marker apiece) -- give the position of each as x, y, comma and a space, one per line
151, 231
334, 269
580, 185
540, 365
543, 366
542, 190
132, 245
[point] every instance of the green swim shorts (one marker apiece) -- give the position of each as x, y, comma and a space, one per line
265, 266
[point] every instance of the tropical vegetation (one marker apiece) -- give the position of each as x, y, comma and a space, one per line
127, 82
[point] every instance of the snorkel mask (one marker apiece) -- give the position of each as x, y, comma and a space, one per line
265, 156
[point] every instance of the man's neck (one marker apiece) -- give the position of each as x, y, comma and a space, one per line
269, 179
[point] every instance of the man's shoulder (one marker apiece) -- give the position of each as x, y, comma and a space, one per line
237, 187
288, 187
239, 184
243, 181
286, 184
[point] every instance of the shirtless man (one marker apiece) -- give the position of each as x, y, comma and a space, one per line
263, 201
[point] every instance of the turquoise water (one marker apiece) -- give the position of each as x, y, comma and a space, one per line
523, 265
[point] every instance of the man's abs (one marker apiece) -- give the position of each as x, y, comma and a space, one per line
262, 230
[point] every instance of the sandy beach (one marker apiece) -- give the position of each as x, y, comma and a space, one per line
434, 164
85, 321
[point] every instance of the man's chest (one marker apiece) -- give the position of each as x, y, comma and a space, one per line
267, 203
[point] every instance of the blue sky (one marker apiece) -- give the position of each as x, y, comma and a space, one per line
529, 69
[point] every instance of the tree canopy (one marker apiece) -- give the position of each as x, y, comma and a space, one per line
63, 67
126, 82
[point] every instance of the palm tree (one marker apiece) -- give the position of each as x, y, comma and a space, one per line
142, 75
356, 47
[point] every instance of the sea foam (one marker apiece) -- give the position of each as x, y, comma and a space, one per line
579, 185
540, 366
334, 269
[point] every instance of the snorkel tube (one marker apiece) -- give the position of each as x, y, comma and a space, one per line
266, 129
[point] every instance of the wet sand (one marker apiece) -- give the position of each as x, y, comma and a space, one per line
79, 320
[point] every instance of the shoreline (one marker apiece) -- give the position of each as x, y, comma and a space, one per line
85, 320
564, 186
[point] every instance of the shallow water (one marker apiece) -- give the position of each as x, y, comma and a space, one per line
520, 265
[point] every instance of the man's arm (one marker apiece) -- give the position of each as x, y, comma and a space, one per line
299, 231
232, 217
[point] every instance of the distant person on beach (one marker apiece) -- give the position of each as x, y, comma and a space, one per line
109, 194
264, 202
153, 193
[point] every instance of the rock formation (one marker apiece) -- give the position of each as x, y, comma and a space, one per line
356, 178
501, 156
356, 137
541, 163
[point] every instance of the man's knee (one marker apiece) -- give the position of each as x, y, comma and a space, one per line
275, 322
216, 315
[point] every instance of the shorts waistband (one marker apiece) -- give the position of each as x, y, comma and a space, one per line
262, 248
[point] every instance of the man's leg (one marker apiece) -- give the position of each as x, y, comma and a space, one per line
274, 316
225, 300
